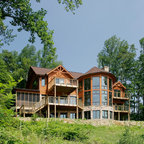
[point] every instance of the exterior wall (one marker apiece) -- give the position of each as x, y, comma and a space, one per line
43, 89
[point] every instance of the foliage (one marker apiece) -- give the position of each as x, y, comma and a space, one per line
18, 64
119, 56
58, 132
130, 137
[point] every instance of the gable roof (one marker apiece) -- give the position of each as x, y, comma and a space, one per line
61, 68
40, 71
119, 84
43, 71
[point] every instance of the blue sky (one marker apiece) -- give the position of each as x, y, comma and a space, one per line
80, 37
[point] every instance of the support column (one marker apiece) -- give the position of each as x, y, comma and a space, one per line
55, 101
23, 111
128, 116
16, 104
82, 114
77, 101
119, 116
48, 111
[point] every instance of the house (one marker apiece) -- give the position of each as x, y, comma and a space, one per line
60, 93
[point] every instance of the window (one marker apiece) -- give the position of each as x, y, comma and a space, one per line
110, 114
87, 98
63, 115
87, 84
110, 98
96, 97
96, 114
73, 100
96, 82
117, 93
43, 81
105, 114
18, 96
59, 81
104, 97
80, 86
72, 115
87, 115
110, 84
22, 96
30, 97
104, 82
26, 96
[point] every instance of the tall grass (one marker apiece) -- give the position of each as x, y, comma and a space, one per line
59, 132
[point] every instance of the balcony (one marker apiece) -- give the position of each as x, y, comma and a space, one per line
124, 96
121, 108
59, 101
63, 85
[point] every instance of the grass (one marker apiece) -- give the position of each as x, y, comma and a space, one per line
59, 132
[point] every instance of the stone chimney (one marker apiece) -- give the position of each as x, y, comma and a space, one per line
106, 68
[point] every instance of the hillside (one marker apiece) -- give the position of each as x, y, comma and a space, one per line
31, 131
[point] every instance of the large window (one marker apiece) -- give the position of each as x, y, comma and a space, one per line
117, 93
87, 84
96, 114
105, 114
110, 98
110, 84
87, 98
96, 97
43, 81
96, 82
104, 97
104, 82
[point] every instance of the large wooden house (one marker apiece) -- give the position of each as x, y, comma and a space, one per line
60, 93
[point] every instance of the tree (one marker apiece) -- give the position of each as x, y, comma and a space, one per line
119, 56
17, 65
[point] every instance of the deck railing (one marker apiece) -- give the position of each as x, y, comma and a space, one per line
124, 95
59, 100
121, 108
62, 82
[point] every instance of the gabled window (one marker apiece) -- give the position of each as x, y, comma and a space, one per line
43, 81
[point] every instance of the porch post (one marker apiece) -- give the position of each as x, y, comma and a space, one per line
77, 101
16, 104
48, 111
119, 116
82, 114
55, 101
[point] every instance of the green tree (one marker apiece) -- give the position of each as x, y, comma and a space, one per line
119, 56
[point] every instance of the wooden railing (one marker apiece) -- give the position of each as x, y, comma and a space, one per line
62, 82
59, 100
121, 108
51, 100
124, 95
39, 104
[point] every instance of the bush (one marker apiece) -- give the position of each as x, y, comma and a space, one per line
129, 137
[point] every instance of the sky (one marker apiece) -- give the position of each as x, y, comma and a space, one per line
80, 37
